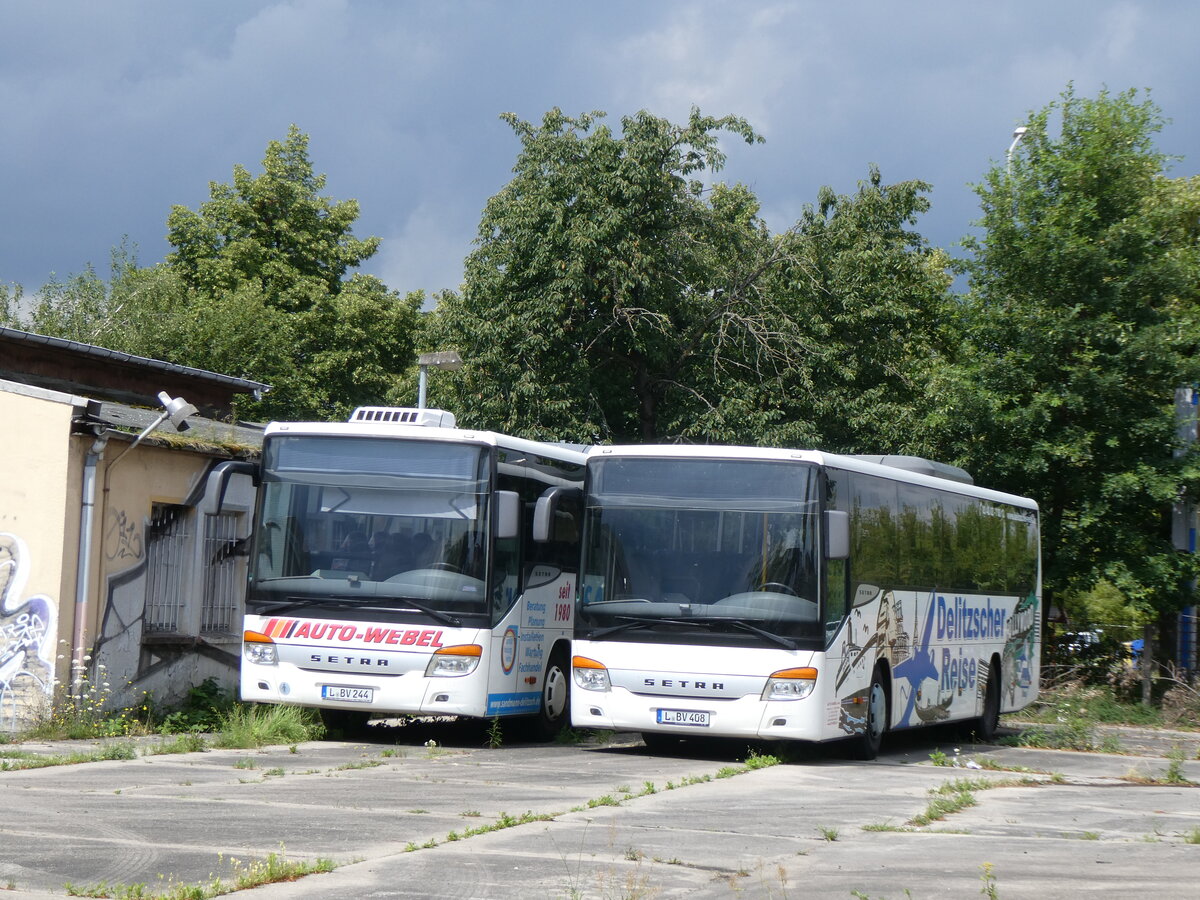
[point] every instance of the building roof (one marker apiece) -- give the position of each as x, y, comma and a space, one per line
74, 367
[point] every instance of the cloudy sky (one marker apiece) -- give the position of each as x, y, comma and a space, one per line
111, 112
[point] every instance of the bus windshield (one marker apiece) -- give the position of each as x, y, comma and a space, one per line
372, 521
686, 549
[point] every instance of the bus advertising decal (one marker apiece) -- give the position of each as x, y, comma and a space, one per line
508, 650
295, 629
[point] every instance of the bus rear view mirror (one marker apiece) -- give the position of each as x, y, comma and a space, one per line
508, 514
547, 509
837, 534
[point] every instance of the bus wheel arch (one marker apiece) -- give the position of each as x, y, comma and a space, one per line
876, 716
985, 726
554, 710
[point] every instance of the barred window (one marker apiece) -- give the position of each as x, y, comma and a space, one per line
219, 605
167, 550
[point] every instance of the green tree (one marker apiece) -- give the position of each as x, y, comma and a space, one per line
10, 305
612, 295
861, 308
591, 280
1082, 322
274, 229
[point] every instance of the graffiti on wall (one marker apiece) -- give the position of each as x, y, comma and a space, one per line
122, 536
27, 637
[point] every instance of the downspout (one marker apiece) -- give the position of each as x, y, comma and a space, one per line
86, 528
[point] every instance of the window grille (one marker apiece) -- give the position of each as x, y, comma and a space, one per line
219, 605
167, 546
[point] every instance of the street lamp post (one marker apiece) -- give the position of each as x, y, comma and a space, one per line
1018, 134
446, 359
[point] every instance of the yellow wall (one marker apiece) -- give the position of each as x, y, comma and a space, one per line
36, 565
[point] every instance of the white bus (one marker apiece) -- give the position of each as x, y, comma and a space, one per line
780, 594
392, 572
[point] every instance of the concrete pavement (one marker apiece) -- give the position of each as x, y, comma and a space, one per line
394, 814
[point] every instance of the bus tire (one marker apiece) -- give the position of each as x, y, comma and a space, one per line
984, 727
866, 745
554, 713
344, 724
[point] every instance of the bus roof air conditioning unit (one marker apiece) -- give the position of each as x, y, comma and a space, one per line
394, 415
921, 466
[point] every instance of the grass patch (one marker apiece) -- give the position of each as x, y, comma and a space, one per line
13, 760
248, 727
959, 794
245, 875
359, 764
183, 743
1097, 704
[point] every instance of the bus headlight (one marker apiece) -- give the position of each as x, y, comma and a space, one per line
259, 649
450, 662
790, 684
589, 674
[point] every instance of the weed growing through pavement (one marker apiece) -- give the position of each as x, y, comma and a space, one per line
495, 734
988, 877
183, 743
12, 760
244, 875
247, 727
1174, 773
432, 750
358, 764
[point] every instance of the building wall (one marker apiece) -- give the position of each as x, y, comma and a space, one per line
150, 622
36, 572
153, 633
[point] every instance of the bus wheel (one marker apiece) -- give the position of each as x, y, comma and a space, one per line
344, 724
555, 712
866, 745
985, 727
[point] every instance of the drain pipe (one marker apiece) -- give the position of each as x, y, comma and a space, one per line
86, 530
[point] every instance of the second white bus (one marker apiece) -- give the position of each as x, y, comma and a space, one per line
780, 594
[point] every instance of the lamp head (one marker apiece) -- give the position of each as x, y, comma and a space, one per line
177, 409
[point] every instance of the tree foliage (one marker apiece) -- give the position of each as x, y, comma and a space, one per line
1082, 322
613, 295
274, 230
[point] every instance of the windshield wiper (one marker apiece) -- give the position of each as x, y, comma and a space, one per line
276, 606
643, 622
785, 642
631, 622
444, 618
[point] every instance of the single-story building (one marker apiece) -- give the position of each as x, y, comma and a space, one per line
119, 533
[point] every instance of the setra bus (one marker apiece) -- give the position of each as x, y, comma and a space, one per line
780, 594
392, 572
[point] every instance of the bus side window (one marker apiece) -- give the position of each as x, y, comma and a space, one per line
837, 571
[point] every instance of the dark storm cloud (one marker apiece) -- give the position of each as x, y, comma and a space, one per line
114, 112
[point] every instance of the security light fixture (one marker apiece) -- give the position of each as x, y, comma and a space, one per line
177, 411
